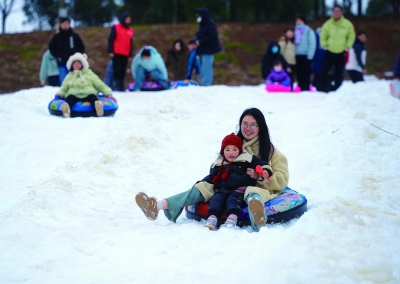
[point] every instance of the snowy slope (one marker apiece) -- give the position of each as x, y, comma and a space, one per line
67, 210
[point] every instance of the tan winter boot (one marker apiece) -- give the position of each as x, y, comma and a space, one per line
66, 111
99, 108
256, 207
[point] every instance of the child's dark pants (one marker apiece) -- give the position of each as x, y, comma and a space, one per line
225, 200
72, 100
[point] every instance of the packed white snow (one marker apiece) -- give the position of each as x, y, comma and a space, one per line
67, 187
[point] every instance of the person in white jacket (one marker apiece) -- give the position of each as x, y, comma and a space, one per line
355, 65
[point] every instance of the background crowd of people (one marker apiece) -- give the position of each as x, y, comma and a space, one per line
311, 58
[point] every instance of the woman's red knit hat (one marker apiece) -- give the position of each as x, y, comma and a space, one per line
230, 139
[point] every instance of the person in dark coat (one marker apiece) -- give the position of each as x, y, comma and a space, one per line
357, 57
207, 42
120, 49
65, 44
271, 55
230, 178
317, 60
396, 69
177, 58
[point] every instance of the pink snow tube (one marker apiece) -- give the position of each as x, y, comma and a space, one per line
284, 89
395, 88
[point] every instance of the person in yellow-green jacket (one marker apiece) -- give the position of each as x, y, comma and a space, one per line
81, 84
337, 36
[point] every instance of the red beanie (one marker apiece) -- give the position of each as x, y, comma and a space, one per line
230, 139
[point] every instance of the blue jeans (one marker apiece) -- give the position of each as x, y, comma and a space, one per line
155, 75
63, 71
206, 69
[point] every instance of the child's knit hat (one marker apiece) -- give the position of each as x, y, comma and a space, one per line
230, 139
82, 58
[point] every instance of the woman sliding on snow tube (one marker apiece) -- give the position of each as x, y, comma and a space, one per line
256, 141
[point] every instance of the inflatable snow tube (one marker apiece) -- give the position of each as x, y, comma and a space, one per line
283, 208
284, 89
395, 88
84, 109
156, 86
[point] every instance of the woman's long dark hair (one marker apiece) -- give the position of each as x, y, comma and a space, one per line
266, 148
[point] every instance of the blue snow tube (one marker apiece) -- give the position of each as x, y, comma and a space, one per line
84, 109
283, 208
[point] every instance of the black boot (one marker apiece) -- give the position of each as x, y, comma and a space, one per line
122, 86
117, 83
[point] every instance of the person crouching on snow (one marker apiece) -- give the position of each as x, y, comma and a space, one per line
229, 176
82, 84
148, 63
278, 76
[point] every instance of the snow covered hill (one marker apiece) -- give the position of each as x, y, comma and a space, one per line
67, 210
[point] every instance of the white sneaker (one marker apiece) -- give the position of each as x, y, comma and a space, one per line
211, 223
230, 222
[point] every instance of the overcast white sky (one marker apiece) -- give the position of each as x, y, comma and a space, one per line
15, 21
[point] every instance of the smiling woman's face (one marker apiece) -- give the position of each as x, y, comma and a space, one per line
249, 127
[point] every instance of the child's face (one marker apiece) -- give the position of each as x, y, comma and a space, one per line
289, 34
77, 65
231, 152
278, 68
191, 46
145, 58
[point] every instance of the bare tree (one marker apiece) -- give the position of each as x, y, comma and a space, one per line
359, 8
5, 8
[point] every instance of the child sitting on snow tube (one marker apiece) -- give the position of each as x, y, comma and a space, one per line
278, 76
230, 179
81, 84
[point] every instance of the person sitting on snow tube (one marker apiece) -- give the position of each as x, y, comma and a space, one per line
230, 179
256, 141
149, 63
271, 55
82, 84
278, 76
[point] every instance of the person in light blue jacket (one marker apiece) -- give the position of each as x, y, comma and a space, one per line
49, 70
149, 64
305, 44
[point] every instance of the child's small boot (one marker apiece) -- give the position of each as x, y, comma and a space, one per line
66, 111
99, 108
211, 222
230, 222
